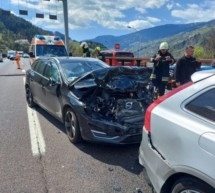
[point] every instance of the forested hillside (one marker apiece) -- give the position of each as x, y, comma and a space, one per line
203, 39
13, 28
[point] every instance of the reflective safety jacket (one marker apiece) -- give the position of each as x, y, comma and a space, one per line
161, 67
17, 57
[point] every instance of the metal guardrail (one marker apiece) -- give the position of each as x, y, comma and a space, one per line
139, 61
144, 61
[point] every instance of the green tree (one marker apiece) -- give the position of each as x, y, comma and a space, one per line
74, 48
199, 52
209, 47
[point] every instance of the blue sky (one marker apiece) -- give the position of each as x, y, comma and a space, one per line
91, 18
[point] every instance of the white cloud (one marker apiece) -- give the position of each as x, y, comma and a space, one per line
178, 5
169, 6
82, 13
139, 24
111, 13
115, 14
172, 4
196, 12
153, 19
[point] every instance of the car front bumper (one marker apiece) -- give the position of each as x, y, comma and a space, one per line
104, 131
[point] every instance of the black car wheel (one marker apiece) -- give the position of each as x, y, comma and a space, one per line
29, 98
72, 126
191, 185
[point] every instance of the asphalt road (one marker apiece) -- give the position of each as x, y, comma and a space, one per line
37, 157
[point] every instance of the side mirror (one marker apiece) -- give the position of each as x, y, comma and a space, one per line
70, 54
53, 82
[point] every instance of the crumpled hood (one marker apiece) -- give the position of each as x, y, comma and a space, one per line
121, 78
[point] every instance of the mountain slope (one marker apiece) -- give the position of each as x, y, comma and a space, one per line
144, 41
178, 42
20, 26
147, 34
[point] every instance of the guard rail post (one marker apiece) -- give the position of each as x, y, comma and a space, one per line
138, 62
123, 62
110, 61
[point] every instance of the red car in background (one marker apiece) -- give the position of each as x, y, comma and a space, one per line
119, 54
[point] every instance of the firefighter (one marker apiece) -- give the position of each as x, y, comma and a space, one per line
161, 62
17, 58
98, 54
85, 49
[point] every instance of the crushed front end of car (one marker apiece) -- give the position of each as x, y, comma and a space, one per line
115, 99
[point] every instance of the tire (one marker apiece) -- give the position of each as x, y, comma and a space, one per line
29, 97
191, 185
72, 126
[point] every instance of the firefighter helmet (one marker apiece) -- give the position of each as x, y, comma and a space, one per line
98, 49
164, 46
84, 45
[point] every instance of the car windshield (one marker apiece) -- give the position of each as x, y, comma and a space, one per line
73, 69
51, 50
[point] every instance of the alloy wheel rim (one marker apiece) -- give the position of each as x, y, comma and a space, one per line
70, 124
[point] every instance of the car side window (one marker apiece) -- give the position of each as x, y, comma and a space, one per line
33, 66
204, 105
51, 71
39, 67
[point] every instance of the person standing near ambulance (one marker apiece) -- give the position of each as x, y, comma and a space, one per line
85, 49
161, 62
17, 58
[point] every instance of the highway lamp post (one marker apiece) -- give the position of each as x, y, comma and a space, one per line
138, 44
66, 24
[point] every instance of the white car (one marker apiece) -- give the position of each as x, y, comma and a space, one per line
25, 55
1, 57
178, 140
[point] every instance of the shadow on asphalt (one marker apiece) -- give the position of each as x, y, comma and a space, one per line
125, 156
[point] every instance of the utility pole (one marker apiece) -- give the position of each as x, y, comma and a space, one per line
66, 24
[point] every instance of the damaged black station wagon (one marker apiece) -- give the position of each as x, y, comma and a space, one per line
95, 102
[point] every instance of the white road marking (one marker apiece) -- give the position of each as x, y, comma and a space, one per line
38, 146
